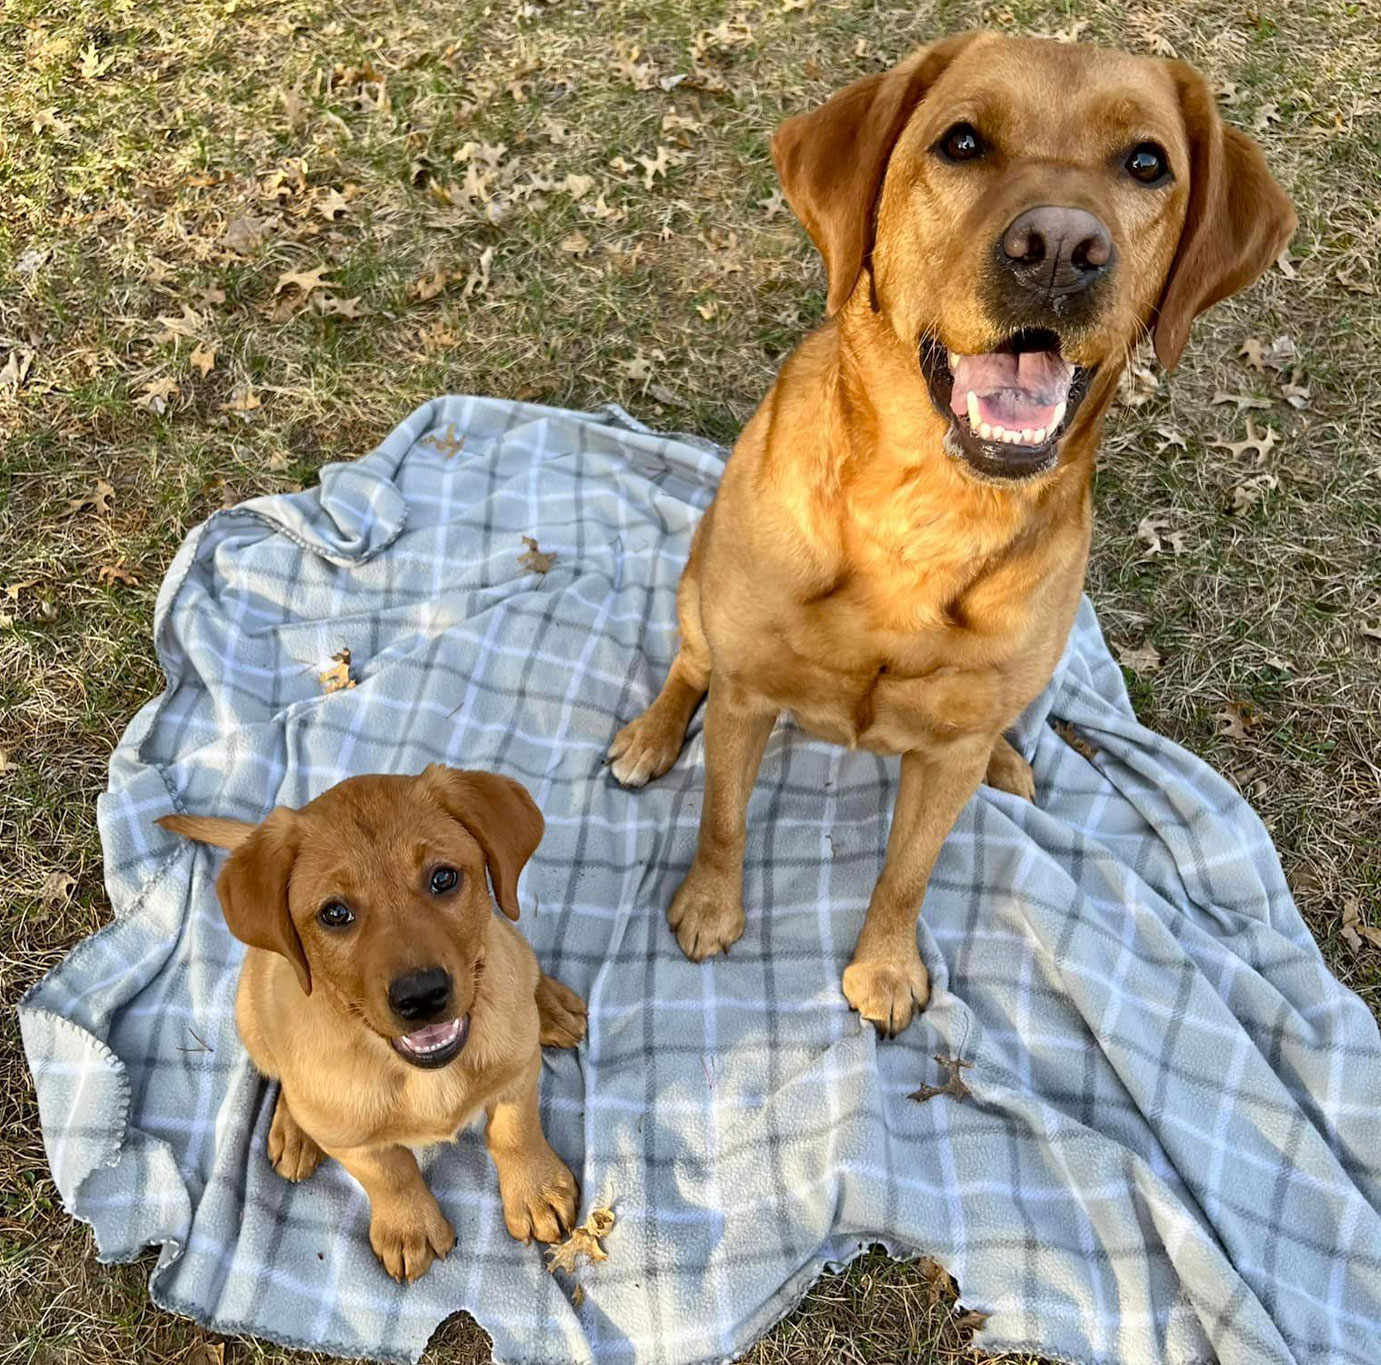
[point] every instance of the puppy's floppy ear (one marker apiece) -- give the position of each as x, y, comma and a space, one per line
1237, 223
831, 161
253, 887
500, 815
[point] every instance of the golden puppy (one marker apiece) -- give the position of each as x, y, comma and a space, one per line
896, 552
390, 1001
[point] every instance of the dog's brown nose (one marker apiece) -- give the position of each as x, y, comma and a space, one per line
1055, 250
419, 997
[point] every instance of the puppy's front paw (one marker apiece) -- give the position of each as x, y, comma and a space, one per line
886, 993
293, 1153
560, 1013
409, 1235
645, 748
540, 1196
706, 915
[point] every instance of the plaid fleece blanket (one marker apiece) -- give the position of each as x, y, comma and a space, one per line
1168, 1149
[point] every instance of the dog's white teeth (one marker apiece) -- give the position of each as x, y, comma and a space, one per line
1028, 437
954, 359
1037, 437
975, 417
1057, 419
1013, 438
987, 432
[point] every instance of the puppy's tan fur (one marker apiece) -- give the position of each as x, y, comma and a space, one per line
313, 1006
851, 570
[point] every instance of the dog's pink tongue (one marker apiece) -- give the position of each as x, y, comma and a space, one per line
1018, 390
432, 1035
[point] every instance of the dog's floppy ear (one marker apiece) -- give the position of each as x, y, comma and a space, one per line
500, 815
1237, 223
253, 887
831, 161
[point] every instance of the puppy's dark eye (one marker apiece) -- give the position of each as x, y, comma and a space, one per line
335, 915
1147, 164
444, 879
961, 143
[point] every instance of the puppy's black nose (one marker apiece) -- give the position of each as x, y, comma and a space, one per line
1053, 250
419, 997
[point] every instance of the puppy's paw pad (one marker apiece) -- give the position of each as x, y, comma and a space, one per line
409, 1239
645, 748
560, 1013
706, 918
887, 993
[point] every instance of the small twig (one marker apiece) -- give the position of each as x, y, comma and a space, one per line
204, 1046
954, 1087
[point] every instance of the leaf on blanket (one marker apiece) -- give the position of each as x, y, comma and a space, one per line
449, 444
954, 1087
583, 1242
535, 558
1066, 731
337, 678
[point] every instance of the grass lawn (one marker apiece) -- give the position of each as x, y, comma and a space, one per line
240, 238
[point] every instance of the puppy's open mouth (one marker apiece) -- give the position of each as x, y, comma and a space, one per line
1008, 408
434, 1045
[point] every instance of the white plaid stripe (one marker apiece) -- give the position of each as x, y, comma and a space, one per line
1169, 1153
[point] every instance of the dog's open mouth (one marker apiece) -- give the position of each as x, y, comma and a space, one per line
1008, 408
434, 1045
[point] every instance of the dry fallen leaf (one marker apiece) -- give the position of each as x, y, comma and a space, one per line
57, 889
477, 281
206, 1353
448, 445
954, 1086
1149, 530
110, 574
244, 233
329, 306
576, 244
332, 205
773, 204
1251, 491
1268, 114
203, 358
155, 395
242, 399
583, 1242
16, 370
1145, 659
534, 558
337, 678
1369, 632
1066, 731
1262, 442
98, 500
303, 280
655, 166
972, 1320
429, 285
1235, 719
1295, 392
1243, 400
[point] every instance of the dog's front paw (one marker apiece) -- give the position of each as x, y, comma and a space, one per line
540, 1196
293, 1153
706, 915
887, 992
409, 1235
646, 747
560, 1013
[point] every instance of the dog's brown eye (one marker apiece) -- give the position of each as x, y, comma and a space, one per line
335, 914
444, 879
1147, 163
961, 143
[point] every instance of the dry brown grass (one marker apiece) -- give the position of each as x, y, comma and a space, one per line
388, 142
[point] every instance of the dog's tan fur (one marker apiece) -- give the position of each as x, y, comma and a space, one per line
853, 572
313, 1009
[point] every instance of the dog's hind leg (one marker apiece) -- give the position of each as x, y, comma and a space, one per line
293, 1152
646, 747
560, 1013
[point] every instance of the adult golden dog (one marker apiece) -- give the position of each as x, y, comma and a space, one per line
390, 1001
896, 552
